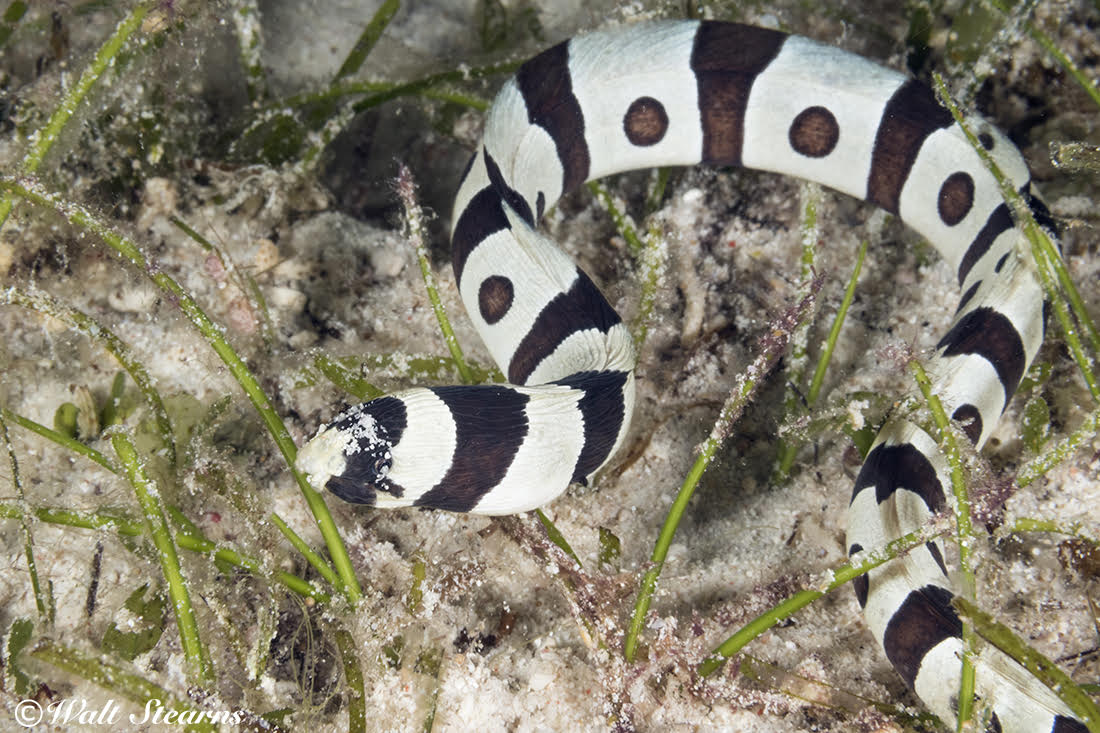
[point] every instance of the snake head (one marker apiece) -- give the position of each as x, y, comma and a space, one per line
352, 455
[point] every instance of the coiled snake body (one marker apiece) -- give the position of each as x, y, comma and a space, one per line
682, 93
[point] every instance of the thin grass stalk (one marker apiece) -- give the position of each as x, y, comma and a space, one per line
830, 696
1009, 31
652, 265
80, 520
292, 582
745, 387
1051, 48
858, 565
202, 672
338, 121
435, 86
656, 194
834, 332
1021, 212
650, 252
188, 543
622, 221
810, 233
411, 366
456, 96
555, 536
431, 664
190, 537
1047, 258
386, 91
46, 305
118, 680
414, 231
1053, 456
346, 379
414, 601
311, 158
1077, 529
368, 38
308, 552
964, 536
1046, 671
949, 444
347, 583
353, 679
549, 546
192, 541
1074, 157
204, 546
660, 551
60, 438
44, 138
43, 596
383, 90
244, 282
250, 45
1065, 62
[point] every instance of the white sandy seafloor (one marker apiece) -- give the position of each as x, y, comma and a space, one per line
504, 638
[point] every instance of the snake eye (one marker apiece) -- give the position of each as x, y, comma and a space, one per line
382, 464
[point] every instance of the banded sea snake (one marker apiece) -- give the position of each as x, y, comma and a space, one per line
682, 93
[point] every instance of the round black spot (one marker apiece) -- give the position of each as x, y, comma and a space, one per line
814, 132
956, 198
645, 122
986, 140
494, 298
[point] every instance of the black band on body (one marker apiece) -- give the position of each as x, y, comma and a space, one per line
603, 411
482, 217
990, 335
547, 89
892, 467
911, 115
490, 426
726, 59
579, 309
923, 620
